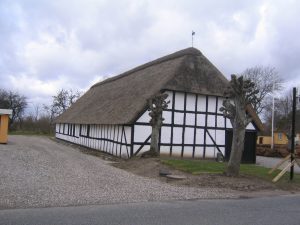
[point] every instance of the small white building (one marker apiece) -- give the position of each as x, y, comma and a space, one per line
112, 116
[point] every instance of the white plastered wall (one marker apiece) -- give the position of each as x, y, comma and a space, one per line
190, 127
112, 139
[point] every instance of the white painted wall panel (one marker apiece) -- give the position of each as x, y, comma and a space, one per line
220, 104
77, 130
211, 104
189, 135
220, 121
95, 131
177, 135
190, 102
165, 150
166, 135
178, 118
176, 151
198, 152
114, 133
102, 131
128, 134
124, 152
141, 133
211, 120
83, 130
94, 144
190, 119
201, 105
210, 152
145, 118
188, 152
120, 133
199, 136
220, 137
167, 116
200, 120
208, 139
228, 123
117, 150
179, 101
106, 131
92, 131
65, 129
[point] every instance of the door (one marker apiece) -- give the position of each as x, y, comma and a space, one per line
249, 154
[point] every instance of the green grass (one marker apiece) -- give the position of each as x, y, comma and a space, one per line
205, 166
29, 133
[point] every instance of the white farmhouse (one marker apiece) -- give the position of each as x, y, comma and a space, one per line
112, 116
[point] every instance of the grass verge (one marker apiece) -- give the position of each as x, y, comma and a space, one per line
205, 166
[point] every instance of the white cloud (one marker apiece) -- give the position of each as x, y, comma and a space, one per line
36, 87
48, 45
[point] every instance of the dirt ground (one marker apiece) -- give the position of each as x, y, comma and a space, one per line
150, 167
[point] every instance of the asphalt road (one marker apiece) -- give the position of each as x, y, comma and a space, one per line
282, 210
270, 162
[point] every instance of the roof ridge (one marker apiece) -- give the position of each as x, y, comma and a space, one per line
178, 54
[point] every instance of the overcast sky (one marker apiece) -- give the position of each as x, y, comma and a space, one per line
53, 44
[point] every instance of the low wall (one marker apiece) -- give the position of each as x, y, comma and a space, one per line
278, 151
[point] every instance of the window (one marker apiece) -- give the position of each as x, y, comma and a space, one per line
280, 136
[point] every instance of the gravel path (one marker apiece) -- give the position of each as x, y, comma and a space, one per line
38, 172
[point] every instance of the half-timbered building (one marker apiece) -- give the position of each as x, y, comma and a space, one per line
112, 115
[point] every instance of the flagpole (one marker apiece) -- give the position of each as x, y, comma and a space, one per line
193, 33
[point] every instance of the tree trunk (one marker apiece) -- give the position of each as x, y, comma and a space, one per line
154, 141
236, 153
156, 106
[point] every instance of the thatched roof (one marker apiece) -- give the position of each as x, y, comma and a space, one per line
120, 99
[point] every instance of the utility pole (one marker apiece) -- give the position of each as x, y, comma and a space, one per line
293, 134
273, 108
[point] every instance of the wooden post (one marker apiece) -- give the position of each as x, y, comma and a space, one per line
280, 163
290, 165
293, 134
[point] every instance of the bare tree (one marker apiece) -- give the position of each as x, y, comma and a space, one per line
239, 95
264, 78
15, 101
62, 101
282, 111
36, 112
156, 106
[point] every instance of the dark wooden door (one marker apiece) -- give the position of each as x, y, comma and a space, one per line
249, 154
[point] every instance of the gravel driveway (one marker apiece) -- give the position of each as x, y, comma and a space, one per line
39, 172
